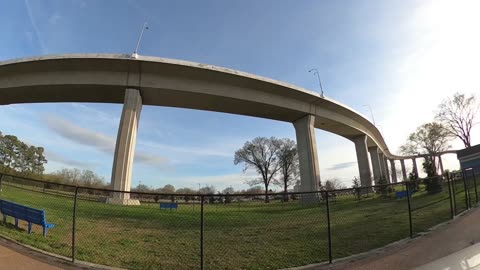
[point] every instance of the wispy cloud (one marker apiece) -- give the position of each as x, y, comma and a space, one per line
56, 157
35, 27
341, 166
205, 151
99, 141
54, 19
99, 115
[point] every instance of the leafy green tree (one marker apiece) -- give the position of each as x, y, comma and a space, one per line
17, 156
430, 139
381, 186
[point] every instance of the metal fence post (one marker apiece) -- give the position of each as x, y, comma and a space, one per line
330, 257
202, 262
452, 214
475, 185
467, 196
409, 210
454, 193
74, 223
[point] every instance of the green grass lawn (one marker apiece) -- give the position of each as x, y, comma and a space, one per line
240, 235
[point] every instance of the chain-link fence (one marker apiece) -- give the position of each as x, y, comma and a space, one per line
231, 231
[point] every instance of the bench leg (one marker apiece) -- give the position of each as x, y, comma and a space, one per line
44, 231
4, 219
29, 227
16, 222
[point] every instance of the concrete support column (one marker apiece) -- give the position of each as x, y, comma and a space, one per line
387, 171
382, 165
125, 148
441, 164
307, 153
374, 157
404, 171
415, 169
394, 171
362, 160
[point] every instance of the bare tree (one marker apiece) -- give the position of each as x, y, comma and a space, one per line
288, 161
333, 184
457, 114
261, 155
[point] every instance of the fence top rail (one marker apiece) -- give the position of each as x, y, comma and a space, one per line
353, 189
197, 194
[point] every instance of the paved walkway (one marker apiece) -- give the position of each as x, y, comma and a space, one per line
16, 257
467, 258
11, 259
459, 234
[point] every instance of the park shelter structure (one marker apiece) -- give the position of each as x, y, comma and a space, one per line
469, 157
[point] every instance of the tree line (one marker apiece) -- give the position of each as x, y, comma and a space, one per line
26, 160
18, 156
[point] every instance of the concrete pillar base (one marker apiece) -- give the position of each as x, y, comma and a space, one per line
126, 140
307, 153
375, 158
122, 201
362, 160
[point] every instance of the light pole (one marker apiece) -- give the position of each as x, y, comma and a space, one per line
145, 27
371, 113
315, 72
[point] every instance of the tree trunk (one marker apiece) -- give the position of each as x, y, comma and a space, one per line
267, 200
285, 196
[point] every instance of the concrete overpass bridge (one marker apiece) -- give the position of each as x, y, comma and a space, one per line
113, 78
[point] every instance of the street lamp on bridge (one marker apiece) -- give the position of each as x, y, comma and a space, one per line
315, 72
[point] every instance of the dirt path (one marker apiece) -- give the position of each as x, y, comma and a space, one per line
447, 239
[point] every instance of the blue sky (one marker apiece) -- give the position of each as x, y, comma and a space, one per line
399, 57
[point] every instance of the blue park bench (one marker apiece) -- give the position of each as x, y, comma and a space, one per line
168, 205
30, 215
403, 194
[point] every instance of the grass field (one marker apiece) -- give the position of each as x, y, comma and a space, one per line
241, 235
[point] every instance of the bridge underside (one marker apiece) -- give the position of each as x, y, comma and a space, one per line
174, 83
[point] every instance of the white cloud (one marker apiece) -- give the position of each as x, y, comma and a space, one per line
99, 141
58, 158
